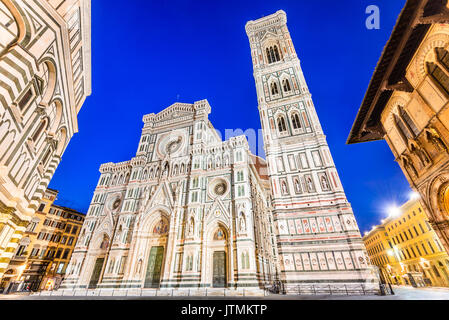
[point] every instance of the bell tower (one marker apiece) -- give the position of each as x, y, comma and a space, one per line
318, 238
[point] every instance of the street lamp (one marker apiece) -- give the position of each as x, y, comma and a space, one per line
414, 195
393, 211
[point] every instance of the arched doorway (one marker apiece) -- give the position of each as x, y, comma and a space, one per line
99, 263
219, 257
156, 244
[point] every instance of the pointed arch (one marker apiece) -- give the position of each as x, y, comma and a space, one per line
282, 127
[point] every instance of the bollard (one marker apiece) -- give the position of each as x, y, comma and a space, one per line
346, 288
330, 289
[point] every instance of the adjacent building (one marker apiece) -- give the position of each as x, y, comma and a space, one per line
42, 256
407, 250
407, 105
193, 211
44, 79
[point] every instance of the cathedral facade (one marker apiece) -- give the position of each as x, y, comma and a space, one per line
193, 211
189, 210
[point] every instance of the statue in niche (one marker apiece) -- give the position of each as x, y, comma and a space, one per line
408, 165
165, 172
421, 154
191, 227
297, 186
309, 184
242, 222
284, 187
324, 183
433, 137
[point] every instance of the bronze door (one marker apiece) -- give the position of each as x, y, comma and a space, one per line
96, 273
154, 268
219, 269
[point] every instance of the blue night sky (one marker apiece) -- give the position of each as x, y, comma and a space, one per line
146, 54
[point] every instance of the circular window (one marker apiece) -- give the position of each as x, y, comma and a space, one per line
220, 189
116, 204
172, 145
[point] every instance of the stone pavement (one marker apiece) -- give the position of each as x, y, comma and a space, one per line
401, 293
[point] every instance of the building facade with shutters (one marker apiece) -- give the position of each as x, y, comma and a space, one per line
43, 253
44, 79
406, 104
407, 250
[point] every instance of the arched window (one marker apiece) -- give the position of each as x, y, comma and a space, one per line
405, 134
295, 121
442, 57
281, 124
439, 76
273, 54
269, 56
274, 88
408, 121
276, 53
286, 85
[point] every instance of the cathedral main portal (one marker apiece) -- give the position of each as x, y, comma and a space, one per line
219, 269
153, 275
96, 273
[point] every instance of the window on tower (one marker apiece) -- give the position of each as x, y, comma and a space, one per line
295, 121
281, 124
286, 85
273, 54
274, 88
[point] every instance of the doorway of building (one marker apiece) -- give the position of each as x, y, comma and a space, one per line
219, 279
153, 275
96, 273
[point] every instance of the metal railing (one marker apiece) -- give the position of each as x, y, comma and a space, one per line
151, 292
334, 290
